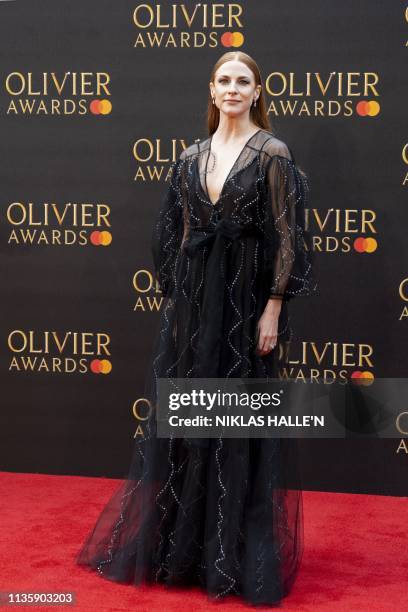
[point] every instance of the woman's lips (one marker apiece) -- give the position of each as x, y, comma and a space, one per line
233, 101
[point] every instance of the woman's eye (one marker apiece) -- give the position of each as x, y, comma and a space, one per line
226, 80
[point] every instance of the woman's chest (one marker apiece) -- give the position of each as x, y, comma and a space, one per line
241, 192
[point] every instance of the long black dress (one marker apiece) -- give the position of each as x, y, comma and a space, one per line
224, 514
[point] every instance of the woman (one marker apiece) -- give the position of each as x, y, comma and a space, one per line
229, 251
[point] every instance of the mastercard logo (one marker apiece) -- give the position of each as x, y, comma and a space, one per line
232, 39
100, 238
100, 366
365, 245
100, 107
365, 377
368, 108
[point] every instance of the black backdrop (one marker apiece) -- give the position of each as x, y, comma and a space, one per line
96, 142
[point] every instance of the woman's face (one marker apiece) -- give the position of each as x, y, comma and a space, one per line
234, 88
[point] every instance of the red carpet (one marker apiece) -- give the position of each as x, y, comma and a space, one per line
356, 551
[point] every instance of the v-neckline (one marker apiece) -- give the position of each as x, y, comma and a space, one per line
230, 171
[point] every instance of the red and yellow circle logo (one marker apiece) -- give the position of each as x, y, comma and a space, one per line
365, 245
232, 39
98, 238
364, 378
101, 366
368, 108
100, 107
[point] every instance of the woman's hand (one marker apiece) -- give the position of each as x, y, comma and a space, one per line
268, 327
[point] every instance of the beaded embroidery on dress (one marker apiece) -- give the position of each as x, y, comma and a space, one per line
224, 514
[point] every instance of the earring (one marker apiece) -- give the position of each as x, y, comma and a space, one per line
254, 101
213, 100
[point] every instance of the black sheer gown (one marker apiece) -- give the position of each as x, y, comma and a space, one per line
223, 514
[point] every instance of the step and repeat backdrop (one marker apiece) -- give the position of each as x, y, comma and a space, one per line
98, 98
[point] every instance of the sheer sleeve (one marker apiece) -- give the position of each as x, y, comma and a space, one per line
170, 228
288, 250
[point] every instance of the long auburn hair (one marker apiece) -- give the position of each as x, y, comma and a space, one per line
258, 113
